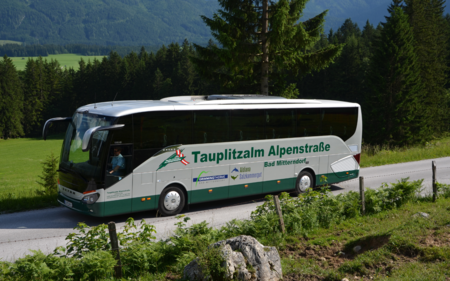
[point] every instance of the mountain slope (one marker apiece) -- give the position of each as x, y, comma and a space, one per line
122, 22
144, 22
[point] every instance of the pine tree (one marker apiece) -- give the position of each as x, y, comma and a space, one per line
11, 100
431, 39
262, 40
184, 75
161, 87
394, 99
33, 104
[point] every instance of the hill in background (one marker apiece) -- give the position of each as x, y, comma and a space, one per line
144, 22
104, 22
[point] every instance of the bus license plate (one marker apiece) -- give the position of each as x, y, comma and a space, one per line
68, 204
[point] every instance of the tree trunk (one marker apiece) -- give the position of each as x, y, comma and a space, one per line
265, 51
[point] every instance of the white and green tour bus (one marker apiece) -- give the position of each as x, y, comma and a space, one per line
190, 149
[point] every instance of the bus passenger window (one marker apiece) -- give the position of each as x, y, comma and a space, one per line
247, 125
308, 122
211, 126
340, 122
158, 129
280, 123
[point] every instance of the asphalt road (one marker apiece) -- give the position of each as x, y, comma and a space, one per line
46, 229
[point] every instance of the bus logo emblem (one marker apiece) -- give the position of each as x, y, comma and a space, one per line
235, 170
178, 156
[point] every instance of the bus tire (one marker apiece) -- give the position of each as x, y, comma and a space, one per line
304, 181
171, 201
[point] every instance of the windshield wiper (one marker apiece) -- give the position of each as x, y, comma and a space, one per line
71, 172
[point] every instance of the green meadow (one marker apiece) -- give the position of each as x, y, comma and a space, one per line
65, 60
3, 42
21, 165
383, 155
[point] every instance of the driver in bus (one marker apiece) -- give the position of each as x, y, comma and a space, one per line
117, 163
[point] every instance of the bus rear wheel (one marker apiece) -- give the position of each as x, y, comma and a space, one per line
304, 181
171, 201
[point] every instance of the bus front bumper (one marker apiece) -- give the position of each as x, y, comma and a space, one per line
95, 210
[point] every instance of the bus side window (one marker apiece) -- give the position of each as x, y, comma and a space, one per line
211, 126
247, 125
340, 122
280, 123
308, 122
158, 129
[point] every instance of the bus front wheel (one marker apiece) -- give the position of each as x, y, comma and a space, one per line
171, 201
304, 181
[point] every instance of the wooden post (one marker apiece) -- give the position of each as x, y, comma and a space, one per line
115, 248
433, 168
361, 193
280, 215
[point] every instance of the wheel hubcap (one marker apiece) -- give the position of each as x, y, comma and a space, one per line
305, 183
172, 200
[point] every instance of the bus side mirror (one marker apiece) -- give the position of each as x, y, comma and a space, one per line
50, 121
87, 138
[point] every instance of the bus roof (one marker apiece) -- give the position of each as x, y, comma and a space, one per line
212, 102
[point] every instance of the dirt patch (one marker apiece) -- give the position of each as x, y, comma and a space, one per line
436, 239
329, 255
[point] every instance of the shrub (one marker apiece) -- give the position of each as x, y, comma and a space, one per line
443, 190
49, 179
96, 265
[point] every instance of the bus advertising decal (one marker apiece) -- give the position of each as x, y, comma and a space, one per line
284, 162
245, 174
233, 154
208, 178
178, 156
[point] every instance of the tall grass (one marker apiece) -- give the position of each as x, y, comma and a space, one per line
377, 155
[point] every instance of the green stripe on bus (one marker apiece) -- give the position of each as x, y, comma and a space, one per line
245, 189
117, 207
279, 185
208, 194
203, 195
337, 177
138, 205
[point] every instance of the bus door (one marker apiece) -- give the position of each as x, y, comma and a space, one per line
118, 179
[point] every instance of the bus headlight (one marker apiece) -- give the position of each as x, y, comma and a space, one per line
90, 199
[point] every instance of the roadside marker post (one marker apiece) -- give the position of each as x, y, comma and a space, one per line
115, 248
361, 194
433, 168
280, 215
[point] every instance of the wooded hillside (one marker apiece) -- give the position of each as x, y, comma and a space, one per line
144, 22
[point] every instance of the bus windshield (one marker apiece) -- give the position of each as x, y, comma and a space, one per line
86, 165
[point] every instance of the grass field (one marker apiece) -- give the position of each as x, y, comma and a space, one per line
65, 60
3, 42
21, 166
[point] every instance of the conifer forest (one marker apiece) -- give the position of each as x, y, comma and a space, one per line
398, 71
